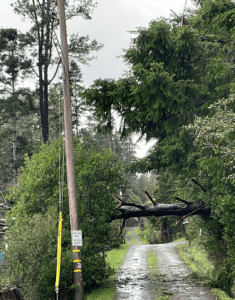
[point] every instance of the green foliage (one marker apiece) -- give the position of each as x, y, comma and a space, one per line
100, 96
221, 295
114, 257
204, 267
97, 178
16, 105
152, 231
173, 73
197, 259
31, 251
141, 236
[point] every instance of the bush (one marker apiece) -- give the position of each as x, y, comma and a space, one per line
97, 178
31, 249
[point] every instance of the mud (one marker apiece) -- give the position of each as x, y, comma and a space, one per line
135, 281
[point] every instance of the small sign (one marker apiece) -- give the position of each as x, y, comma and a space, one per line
78, 265
76, 238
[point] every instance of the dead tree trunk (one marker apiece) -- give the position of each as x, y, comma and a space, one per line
130, 210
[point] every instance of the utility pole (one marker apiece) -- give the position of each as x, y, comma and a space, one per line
78, 281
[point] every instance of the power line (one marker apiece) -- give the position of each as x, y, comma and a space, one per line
184, 7
61, 52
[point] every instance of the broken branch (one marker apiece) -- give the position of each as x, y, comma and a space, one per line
183, 218
149, 196
4, 206
181, 200
128, 204
123, 225
197, 183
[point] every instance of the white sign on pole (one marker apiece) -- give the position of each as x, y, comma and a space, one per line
76, 238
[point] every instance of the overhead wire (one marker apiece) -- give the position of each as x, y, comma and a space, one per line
61, 52
61, 175
61, 195
185, 7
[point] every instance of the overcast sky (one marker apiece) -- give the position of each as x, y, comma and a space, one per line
110, 25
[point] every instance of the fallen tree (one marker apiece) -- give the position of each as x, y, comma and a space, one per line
126, 210
130, 210
182, 210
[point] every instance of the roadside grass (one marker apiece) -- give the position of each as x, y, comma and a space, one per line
106, 291
116, 256
196, 258
132, 238
221, 295
183, 239
151, 260
141, 237
160, 293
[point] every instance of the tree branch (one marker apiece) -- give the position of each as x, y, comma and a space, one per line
58, 64
123, 225
183, 218
197, 183
128, 204
4, 207
181, 200
149, 196
131, 199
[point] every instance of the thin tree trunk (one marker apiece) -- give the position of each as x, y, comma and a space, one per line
110, 133
14, 141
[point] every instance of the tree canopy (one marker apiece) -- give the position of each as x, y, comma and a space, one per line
173, 74
179, 90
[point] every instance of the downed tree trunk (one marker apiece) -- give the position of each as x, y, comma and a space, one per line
4, 206
11, 293
130, 210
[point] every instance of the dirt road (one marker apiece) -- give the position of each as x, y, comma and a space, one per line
134, 281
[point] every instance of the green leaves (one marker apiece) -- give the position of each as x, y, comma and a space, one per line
97, 177
172, 74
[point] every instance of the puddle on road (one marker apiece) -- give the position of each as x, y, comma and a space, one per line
132, 281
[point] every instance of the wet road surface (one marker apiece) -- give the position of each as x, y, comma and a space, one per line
132, 280
174, 274
134, 283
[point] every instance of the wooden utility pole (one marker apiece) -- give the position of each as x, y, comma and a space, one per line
78, 281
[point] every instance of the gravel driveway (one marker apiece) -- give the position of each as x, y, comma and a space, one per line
135, 283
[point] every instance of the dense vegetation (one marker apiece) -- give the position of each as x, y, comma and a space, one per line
179, 90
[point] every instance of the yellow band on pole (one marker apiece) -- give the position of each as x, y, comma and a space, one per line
77, 271
77, 260
59, 250
76, 250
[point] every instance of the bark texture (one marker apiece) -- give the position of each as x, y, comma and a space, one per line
131, 210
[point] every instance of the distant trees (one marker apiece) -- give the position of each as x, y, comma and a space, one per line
16, 103
43, 42
36, 54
